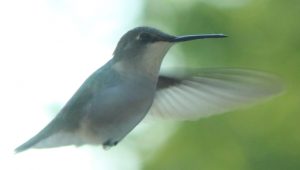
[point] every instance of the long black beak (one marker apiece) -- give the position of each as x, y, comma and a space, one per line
195, 37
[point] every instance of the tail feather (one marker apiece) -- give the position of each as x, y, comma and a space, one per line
51, 136
49, 130
31, 142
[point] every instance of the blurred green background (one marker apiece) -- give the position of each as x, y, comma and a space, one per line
263, 35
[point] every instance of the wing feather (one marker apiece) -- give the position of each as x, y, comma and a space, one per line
204, 92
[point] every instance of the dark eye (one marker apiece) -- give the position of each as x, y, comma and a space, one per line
144, 37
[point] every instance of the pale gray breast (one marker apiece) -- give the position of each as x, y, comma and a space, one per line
114, 112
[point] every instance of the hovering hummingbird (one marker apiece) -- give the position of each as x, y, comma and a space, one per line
118, 96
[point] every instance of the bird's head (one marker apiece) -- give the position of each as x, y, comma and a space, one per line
145, 47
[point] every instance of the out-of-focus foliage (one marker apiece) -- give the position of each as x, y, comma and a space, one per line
263, 35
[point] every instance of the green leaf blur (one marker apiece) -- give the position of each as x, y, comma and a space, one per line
263, 35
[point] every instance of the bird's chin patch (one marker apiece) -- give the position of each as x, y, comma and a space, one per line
153, 56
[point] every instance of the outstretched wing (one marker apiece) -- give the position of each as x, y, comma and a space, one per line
204, 92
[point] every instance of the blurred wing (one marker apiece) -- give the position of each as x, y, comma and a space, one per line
204, 92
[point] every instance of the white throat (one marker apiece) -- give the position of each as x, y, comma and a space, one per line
149, 63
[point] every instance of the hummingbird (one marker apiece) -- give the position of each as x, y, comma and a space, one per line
118, 96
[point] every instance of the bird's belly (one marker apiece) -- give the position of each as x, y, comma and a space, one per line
111, 118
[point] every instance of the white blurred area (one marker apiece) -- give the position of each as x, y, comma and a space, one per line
47, 49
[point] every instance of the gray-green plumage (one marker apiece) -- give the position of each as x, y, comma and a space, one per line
116, 97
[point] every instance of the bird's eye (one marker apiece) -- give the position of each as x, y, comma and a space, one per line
144, 37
